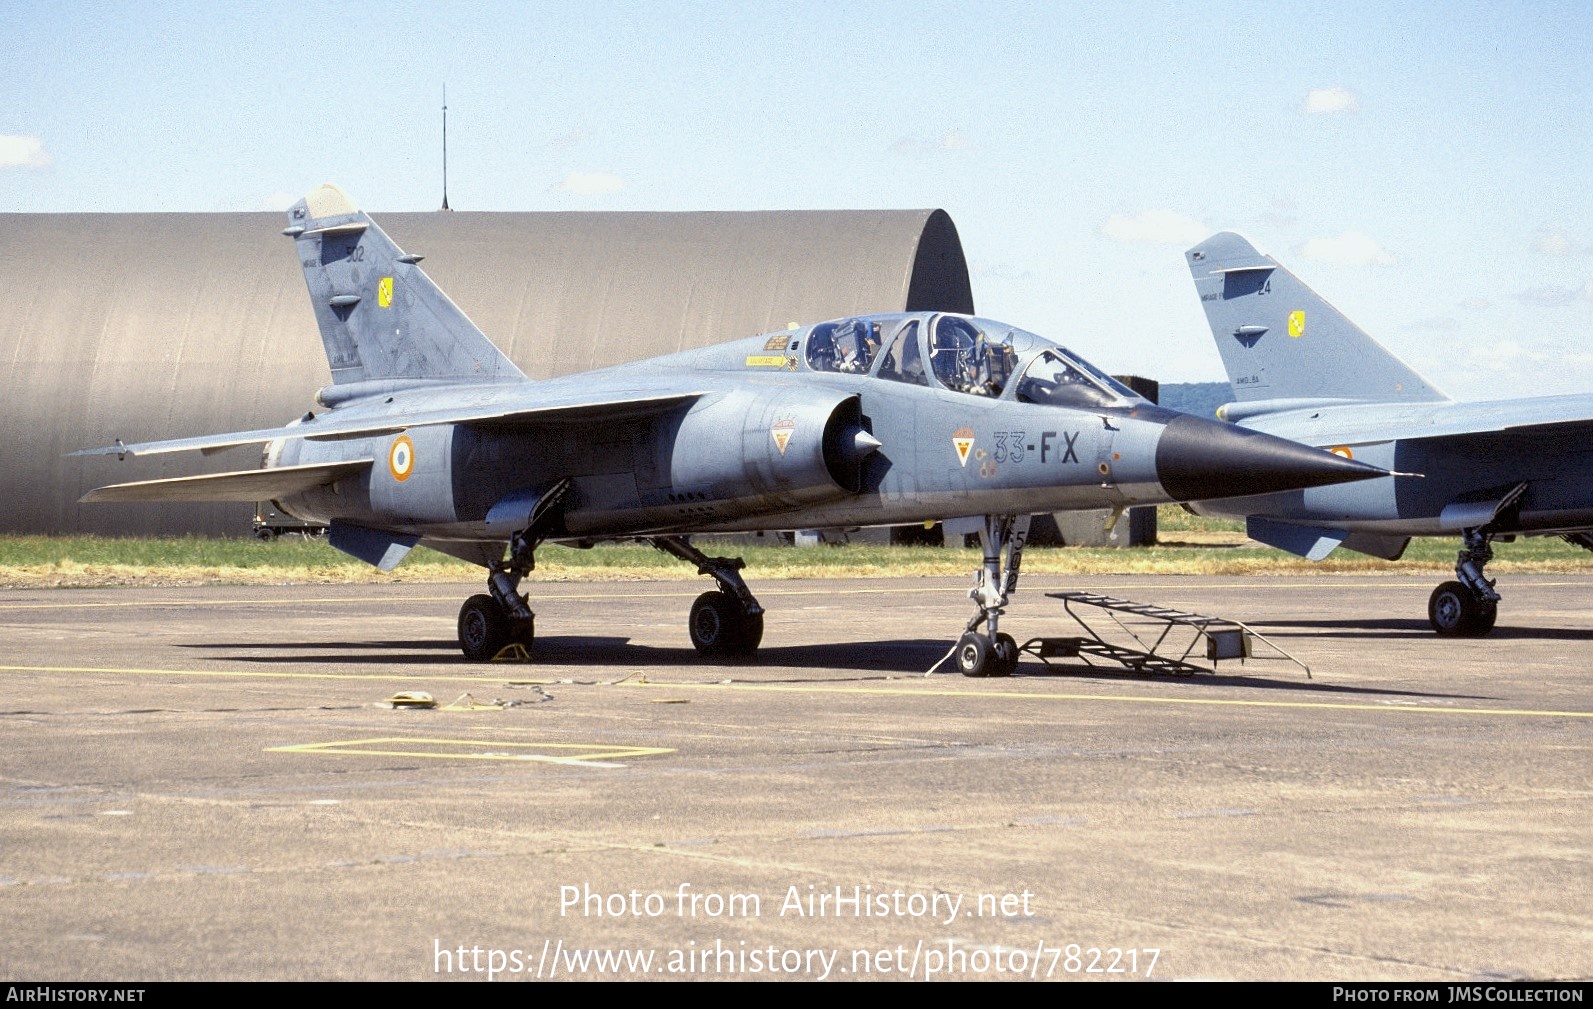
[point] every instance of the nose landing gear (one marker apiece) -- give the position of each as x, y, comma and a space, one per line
994, 652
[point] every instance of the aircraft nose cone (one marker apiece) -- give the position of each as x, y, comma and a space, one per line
1199, 459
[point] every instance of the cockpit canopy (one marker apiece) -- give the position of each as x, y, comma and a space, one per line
966, 359
846, 346
1056, 378
965, 354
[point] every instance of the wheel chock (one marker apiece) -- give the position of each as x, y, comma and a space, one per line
412, 699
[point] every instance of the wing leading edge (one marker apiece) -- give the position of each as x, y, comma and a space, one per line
613, 408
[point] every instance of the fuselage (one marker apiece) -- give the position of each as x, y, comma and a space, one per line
893, 419
1463, 453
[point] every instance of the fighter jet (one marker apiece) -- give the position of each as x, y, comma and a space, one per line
1492, 470
429, 435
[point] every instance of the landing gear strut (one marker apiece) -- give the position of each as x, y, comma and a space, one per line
491, 621
727, 623
1466, 608
994, 652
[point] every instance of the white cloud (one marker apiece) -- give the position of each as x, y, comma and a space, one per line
1155, 227
1475, 303
22, 152
590, 183
956, 140
1330, 101
1353, 248
1282, 215
1511, 356
1553, 243
1553, 297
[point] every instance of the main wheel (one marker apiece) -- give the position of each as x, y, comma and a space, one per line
721, 629
1455, 612
484, 629
1487, 615
1005, 655
976, 655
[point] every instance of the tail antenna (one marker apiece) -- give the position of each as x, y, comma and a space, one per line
445, 205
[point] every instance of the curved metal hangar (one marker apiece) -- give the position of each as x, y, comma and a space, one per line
114, 323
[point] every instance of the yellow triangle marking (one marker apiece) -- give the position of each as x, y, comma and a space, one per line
963, 440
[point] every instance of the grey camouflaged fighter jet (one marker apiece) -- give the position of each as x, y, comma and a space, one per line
428, 434
1492, 470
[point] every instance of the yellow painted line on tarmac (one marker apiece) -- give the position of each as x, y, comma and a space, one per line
271, 674
596, 755
965, 695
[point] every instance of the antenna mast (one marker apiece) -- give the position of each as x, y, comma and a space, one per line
445, 205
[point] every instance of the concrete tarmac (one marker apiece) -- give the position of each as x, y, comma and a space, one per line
203, 783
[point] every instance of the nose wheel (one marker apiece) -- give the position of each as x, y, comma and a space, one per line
979, 655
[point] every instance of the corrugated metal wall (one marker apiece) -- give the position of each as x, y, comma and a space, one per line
146, 326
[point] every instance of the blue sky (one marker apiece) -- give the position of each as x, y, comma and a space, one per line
1425, 167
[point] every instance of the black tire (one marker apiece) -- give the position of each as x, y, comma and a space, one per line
719, 628
1455, 612
1487, 615
975, 655
751, 634
1006, 655
483, 628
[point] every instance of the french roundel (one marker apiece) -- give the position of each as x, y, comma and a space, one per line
401, 458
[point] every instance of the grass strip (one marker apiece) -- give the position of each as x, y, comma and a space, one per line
1190, 546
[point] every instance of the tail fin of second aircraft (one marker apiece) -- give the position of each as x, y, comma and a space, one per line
381, 317
1280, 340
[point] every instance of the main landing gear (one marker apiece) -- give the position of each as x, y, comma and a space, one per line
724, 624
727, 623
492, 621
1466, 608
993, 652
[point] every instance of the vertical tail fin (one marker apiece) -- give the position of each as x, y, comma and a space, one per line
1280, 340
381, 317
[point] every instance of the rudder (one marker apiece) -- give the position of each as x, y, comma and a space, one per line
381, 318
1280, 340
